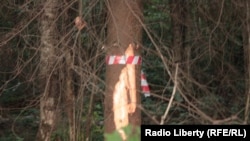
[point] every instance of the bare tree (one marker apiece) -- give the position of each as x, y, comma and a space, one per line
49, 76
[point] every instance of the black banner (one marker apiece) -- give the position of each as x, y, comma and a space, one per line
195, 132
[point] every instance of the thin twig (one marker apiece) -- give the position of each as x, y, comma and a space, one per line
172, 96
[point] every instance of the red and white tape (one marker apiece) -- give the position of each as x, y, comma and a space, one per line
110, 60
144, 85
136, 60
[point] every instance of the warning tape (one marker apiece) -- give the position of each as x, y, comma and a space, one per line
144, 85
136, 60
110, 60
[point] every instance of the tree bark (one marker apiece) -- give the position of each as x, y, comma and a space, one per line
123, 81
178, 19
69, 97
246, 46
178, 16
48, 74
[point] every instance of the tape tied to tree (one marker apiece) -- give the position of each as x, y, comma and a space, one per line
135, 60
111, 60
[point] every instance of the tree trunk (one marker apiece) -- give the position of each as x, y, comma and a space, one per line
246, 45
123, 81
178, 17
178, 20
48, 74
67, 48
69, 98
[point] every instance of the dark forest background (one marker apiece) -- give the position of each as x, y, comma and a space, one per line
207, 40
